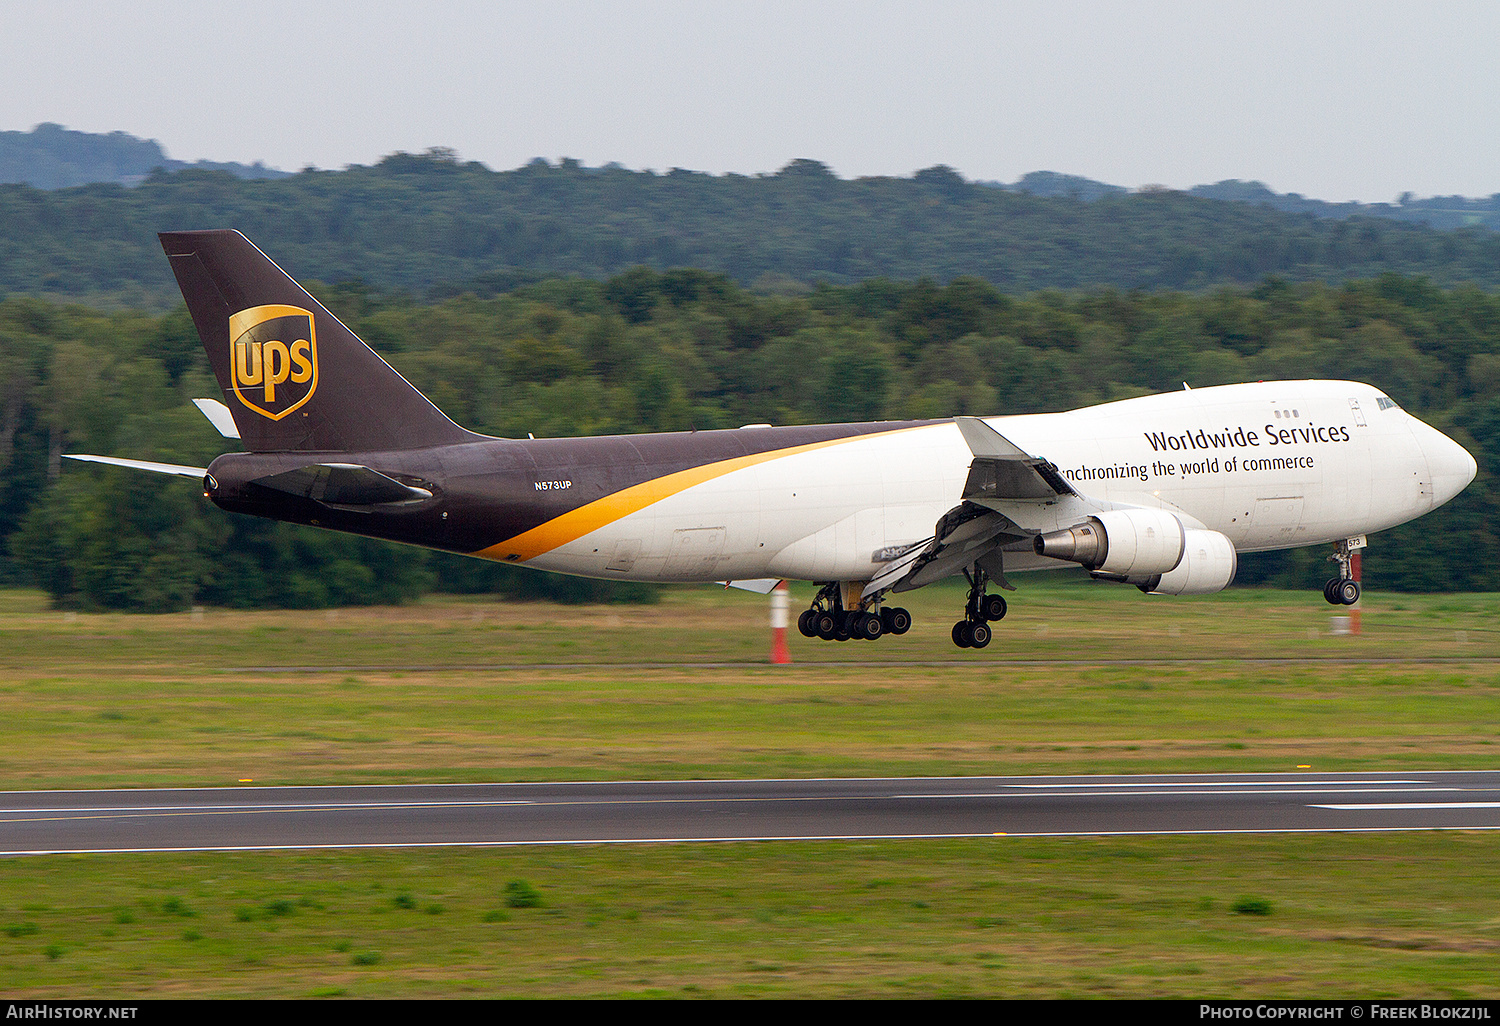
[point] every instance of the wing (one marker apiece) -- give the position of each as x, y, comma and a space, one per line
1003, 480
1002, 472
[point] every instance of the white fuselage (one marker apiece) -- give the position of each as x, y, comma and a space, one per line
1271, 465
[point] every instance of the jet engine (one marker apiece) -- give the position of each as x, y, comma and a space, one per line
1128, 544
1208, 565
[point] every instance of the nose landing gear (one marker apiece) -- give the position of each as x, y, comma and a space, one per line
1344, 590
1341, 592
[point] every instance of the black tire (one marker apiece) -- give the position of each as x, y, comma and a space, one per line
895, 620
980, 634
807, 623
868, 627
1330, 594
961, 634
1348, 592
827, 626
994, 607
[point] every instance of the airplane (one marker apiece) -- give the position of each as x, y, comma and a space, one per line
1161, 492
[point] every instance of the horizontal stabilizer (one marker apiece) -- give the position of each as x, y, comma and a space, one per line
345, 485
219, 416
155, 468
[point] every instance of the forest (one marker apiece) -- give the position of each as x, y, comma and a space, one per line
53, 157
435, 226
678, 349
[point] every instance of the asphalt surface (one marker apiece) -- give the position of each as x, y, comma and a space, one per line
258, 818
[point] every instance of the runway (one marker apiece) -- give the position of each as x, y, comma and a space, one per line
266, 818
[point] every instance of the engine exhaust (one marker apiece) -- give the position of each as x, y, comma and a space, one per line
1084, 543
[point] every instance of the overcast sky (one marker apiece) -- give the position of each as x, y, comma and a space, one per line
1333, 100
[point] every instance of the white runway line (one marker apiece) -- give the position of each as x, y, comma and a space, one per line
1408, 806
1228, 783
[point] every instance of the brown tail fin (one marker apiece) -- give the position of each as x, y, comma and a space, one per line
293, 376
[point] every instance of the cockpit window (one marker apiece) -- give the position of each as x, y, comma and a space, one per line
1386, 404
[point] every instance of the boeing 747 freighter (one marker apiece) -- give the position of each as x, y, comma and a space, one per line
1161, 492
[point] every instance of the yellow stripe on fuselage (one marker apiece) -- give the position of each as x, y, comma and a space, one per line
601, 512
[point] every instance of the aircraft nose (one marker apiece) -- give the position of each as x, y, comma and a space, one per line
1450, 464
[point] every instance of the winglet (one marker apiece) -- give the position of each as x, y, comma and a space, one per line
984, 441
1002, 470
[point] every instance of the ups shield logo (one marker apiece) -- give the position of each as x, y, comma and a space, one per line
273, 358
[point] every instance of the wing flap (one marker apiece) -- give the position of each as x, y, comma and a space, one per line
1003, 478
964, 535
896, 569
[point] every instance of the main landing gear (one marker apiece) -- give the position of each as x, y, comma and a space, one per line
973, 631
829, 620
1342, 590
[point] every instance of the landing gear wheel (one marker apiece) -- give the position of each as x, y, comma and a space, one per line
980, 610
1344, 589
807, 623
895, 620
827, 626
867, 626
993, 607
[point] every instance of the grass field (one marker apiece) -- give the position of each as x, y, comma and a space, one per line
1080, 678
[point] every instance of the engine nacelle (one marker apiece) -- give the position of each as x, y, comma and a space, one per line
1124, 543
1208, 565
